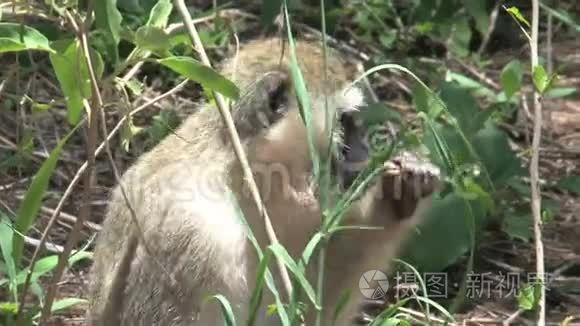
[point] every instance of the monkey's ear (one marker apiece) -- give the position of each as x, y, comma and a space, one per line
263, 104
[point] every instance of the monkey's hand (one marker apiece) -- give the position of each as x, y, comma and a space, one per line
407, 181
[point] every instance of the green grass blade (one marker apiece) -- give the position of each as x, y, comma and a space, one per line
6, 245
302, 94
257, 295
228, 313
388, 313
421, 283
310, 247
342, 301
281, 310
280, 252
28, 210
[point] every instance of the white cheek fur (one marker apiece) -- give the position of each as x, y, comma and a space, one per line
351, 99
346, 100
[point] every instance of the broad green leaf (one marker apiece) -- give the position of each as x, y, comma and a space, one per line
179, 38
8, 308
464, 107
527, 298
163, 124
135, 86
521, 188
17, 37
511, 78
388, 39
500, 161
474, 188
226, 307
37, 290
40, 107
63, 304
425, 101
570, 183
558, 92
518, 226
378, 113
515, 12
470, 84
550, 208
28, 211
3, 267
206, 76
541, 79
48, 263
460, 38
160, 14
153, 39
108, 19
445, 234
425, 27
72, 73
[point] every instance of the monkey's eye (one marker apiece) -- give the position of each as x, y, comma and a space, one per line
278, 101
278, 108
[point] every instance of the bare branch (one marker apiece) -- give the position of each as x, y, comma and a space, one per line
85, 210
238, 149
534, 170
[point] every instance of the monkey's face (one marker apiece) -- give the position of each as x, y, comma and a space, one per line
269, 115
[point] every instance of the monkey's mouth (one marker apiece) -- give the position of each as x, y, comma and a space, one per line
353, 152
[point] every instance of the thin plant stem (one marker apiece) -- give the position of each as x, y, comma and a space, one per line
236, 143
536, 201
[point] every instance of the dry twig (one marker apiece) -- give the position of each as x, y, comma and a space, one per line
237, 145
534, 174
85, 210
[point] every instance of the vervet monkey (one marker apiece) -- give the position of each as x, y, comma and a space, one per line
188, 192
